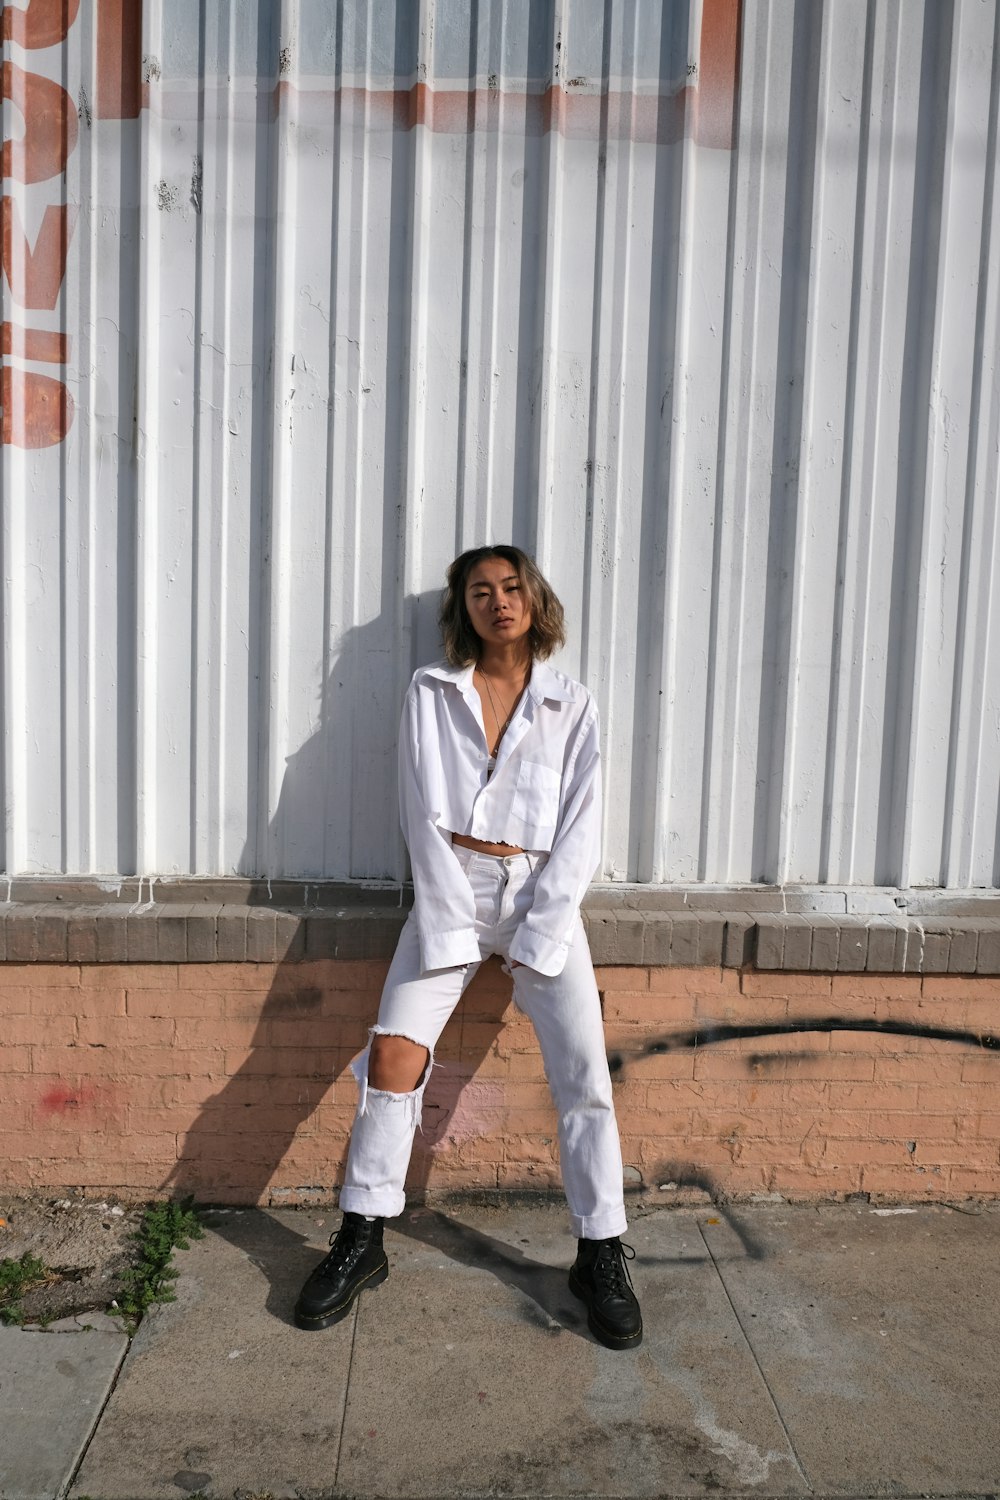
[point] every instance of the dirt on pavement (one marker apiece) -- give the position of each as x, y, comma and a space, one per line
84, 1243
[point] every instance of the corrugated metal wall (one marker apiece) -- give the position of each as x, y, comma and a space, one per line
699, 304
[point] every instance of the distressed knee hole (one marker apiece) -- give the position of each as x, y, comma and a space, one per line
397, 1063
362, 1068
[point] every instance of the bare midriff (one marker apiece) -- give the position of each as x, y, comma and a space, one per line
482, 847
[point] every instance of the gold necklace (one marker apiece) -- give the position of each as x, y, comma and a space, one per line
502, 728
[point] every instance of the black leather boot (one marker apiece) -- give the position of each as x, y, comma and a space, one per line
600, 1278
356, 1261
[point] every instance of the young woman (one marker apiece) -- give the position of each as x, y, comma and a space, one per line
500, 803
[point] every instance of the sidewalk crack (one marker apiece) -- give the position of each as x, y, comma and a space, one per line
347, 1389
70, 1479
753, 1354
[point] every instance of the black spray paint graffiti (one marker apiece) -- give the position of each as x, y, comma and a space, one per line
706, 1036
687, 1175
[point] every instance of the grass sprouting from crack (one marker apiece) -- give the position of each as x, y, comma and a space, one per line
165, 1227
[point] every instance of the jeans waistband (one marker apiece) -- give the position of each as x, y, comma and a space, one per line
531, 859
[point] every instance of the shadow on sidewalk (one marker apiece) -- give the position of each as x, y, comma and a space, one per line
546, 1301
285, 1257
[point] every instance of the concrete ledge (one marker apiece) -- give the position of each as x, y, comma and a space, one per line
134, 893
955, 934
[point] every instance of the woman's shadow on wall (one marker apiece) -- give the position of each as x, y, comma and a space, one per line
291, 1091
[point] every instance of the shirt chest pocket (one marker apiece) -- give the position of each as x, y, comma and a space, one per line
536, 795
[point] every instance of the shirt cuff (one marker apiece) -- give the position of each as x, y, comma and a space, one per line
449, 950
538, 950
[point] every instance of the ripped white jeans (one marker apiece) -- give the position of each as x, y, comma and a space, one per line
565, 1010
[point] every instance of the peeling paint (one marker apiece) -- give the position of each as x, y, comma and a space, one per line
167, 196
196, 185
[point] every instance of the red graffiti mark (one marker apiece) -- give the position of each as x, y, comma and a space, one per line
41, 23
35, 273
51, 126
61, 1098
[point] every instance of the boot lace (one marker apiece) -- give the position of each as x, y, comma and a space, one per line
610, 1268
346, 1244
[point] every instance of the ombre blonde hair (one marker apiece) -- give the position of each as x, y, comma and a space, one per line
462, 646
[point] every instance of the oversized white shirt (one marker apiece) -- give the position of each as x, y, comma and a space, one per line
544, 794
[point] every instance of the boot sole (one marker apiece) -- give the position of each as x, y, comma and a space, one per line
327, 1319
603, 1335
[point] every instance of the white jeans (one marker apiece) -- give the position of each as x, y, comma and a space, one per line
565, 1010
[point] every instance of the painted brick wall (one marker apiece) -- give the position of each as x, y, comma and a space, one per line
231, 1081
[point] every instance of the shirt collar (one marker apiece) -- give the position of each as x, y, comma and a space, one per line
543, 682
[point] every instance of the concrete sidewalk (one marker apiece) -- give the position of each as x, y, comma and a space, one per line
840, 1350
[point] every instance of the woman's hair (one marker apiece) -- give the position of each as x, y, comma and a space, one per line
461, 643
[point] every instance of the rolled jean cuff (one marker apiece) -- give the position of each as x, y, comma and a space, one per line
376, 1203
599, 1226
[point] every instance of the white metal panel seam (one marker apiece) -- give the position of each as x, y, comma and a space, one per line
147, 468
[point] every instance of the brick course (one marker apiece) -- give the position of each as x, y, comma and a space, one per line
232, 1080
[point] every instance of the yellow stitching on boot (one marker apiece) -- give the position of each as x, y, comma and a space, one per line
311, 1318
623, 1338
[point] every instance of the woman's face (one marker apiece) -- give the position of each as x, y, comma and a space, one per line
496, 601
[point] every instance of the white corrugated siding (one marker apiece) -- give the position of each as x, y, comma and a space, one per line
713, 335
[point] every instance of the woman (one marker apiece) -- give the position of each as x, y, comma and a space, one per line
500, 803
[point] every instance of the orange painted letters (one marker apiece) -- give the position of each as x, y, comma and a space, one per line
37, 410
35, 275
50, 126
119, 57
41, 23
33, 343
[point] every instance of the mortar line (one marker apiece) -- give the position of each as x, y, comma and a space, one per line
767, 1384
347, 1388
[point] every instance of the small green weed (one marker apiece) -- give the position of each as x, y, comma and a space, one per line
164, 1228
18, 1277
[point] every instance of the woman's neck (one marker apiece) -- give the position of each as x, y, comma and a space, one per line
507, 664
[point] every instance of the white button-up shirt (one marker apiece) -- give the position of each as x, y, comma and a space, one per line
544, 794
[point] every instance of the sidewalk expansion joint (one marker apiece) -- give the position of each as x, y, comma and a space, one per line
753, 1354
347, 1388
70, 1479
